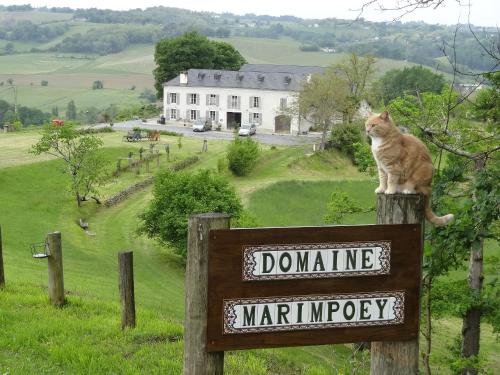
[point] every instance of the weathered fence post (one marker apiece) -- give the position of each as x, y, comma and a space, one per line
55, 266
126, 286
197, 361
2, 274
397, 357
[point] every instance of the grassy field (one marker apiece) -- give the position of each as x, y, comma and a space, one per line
85, 337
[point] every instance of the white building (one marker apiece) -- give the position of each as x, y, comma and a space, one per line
257, 93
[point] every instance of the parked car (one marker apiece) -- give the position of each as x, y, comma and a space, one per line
247, 130
202, 125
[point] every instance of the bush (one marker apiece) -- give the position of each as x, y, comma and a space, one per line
183, 164
176, 196
242, 156
44, 83
344, 136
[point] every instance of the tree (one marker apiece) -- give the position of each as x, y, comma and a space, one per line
97, 85
356, 71
321, 100
80, 154
188, 51
396, 82
9, 48
71, 110
177, 195
469, 186
55, 111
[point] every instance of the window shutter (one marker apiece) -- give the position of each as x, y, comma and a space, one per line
217, 112
260, 101
197, 114
187, 99
229, 101
178, 98
207, 116
251, 102
260, 119
187, 115
239, 102
208, 99
250, 115
178, 114
168, 98
217, 100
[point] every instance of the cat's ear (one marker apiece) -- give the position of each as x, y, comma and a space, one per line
384, 115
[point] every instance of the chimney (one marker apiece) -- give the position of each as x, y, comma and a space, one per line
183, 78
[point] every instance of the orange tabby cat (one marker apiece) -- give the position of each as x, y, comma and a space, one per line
403, 161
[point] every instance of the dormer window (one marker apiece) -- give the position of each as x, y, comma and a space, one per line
217, 76
288, 79
260, 77
201, 76
239, 77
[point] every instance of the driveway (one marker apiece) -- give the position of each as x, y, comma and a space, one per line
270, 139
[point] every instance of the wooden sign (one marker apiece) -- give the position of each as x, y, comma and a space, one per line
273, 287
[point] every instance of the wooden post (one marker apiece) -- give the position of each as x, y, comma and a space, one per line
126, 286
197, 361
2, 274
397, 357
55, 266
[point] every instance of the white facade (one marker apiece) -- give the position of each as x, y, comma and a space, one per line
226, 105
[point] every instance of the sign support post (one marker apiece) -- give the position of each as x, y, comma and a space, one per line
397, 357
197, 360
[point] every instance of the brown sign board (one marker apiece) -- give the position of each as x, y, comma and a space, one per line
296, 286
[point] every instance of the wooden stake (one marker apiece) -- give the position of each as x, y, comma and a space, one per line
2, 274
397, 357
126, 286
197, 361
55, 266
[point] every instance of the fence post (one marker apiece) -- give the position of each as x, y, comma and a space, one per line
397, 357
126, 286
197, 361
55, 267
2, 274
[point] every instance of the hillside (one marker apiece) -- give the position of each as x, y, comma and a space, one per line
70, 49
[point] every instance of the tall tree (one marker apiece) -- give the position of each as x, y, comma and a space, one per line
397, 82
71, 110
356, 71
322, 99
190, 51
471, 177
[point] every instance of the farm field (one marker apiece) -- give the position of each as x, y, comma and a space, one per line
84, 336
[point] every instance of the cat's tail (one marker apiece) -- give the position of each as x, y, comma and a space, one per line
431, 216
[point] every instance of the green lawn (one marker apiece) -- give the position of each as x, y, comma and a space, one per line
84, 336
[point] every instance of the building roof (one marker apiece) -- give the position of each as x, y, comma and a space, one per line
271, 68
251, 76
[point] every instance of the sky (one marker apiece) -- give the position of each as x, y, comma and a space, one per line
482, 12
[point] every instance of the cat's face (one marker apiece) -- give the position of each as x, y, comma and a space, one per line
378, 125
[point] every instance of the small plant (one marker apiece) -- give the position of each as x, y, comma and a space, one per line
242, 156
341, 204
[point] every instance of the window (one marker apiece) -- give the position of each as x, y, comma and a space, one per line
212, 99
283, 103
256, 102
192, 114
193, 99
213, 115
173, 98
173, 114
234, 101
256, 118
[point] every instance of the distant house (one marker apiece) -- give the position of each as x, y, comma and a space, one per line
466, 89
257, 93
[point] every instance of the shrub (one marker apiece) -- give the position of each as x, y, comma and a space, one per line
363, 158
176, 196
344, 136
242, 156
183, 164
44, 83
171, 133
